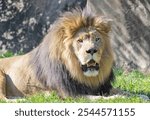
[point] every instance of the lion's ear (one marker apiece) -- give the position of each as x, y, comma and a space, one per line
103, 24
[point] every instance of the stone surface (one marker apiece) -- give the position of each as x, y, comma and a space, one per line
23, 23
130, 31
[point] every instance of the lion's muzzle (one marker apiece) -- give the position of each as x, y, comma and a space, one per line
91, 68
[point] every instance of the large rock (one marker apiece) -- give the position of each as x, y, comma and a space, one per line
23, 23
130, 31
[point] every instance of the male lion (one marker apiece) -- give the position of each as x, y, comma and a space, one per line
74, 59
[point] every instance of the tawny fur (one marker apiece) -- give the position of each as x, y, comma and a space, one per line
67, 26
30, 73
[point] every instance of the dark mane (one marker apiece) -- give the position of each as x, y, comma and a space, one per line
54, 75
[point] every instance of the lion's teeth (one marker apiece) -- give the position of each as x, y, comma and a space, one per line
88, 65
91, 64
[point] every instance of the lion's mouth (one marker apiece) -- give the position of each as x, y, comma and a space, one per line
90, 66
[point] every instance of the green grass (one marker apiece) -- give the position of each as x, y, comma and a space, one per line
10, 54
133, 82
7, 54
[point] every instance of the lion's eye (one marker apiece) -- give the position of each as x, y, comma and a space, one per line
80, 40
97, 39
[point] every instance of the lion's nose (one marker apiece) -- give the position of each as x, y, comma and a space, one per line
91, 51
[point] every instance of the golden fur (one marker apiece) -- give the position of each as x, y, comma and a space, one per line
53, 65
68, 25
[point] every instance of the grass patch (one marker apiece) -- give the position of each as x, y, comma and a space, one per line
53, 98
10, 54
7, 54
133, 82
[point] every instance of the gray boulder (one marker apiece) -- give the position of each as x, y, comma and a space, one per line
130, 31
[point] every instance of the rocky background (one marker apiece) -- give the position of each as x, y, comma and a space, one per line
23, 23
130, 31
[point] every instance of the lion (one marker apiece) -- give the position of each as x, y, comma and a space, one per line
74, 59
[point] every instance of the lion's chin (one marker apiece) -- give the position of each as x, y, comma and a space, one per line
90, 73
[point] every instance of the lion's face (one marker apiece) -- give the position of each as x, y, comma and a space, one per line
80, 41
88, 46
